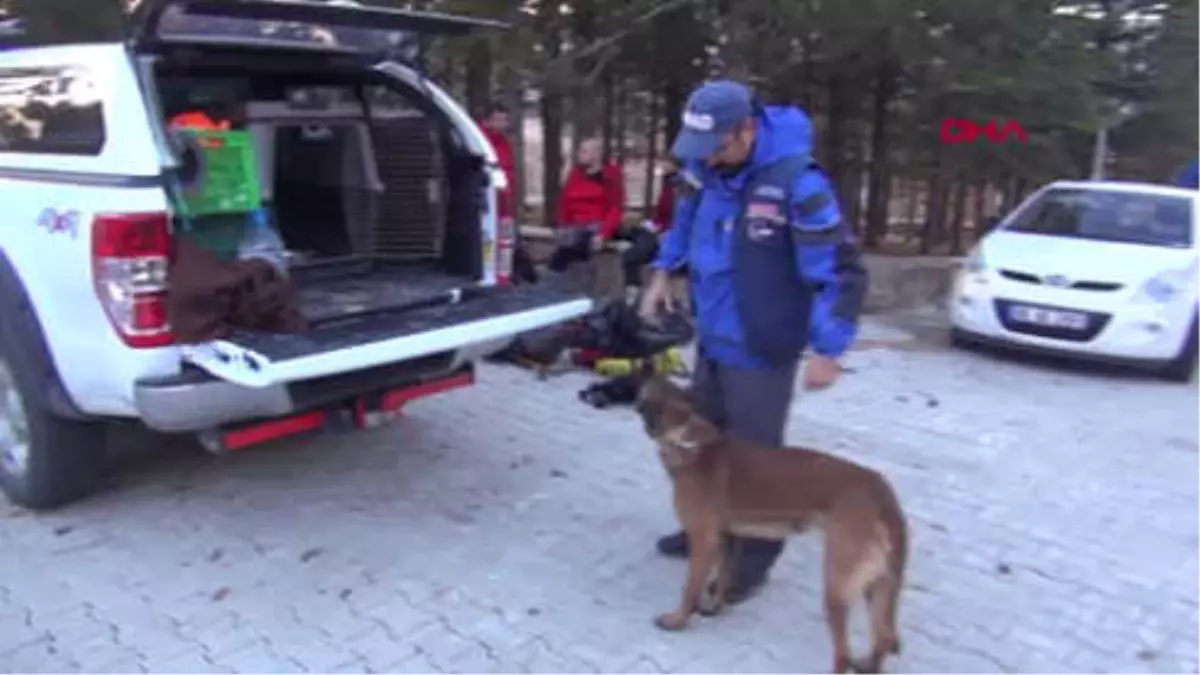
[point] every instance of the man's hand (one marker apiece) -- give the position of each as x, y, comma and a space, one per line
657, 295
821, 372
597, 243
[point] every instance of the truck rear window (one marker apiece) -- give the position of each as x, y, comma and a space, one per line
51, 111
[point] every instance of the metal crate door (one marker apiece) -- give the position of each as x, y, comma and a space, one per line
411, 210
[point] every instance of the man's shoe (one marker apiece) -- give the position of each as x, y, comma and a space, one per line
674, 545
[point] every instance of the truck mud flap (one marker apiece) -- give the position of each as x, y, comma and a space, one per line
483, 317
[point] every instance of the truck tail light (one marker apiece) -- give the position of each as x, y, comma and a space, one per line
130, 255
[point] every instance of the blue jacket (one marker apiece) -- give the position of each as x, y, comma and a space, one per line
1189, 175
773, 266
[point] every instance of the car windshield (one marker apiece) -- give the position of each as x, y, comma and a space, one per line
1126, 217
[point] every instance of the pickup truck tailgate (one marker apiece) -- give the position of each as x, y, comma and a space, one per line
482, 316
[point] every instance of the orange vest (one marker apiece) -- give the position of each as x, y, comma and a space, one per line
198, 120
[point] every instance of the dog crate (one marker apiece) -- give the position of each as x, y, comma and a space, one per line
367, 184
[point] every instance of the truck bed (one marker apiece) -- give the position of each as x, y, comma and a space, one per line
383, 324
347, 286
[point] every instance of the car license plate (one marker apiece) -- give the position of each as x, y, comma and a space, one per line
1052, 318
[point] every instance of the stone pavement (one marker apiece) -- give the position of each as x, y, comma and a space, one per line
510, 528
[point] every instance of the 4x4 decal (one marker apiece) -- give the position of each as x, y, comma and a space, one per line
55, 221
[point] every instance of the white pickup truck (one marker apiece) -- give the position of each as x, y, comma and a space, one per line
380, 186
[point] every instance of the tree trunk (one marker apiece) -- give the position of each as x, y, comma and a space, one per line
65, 21
935, 211
853, 191
878, 181
959, 221
808, 79
1005, 191
1021, 190
648, 192
611, 134
513, 92
479, 76
913, 188
547, 25
978, 212
673, 101
837, 135
577, 123
622, 123
946, 200
551, 153
585, 111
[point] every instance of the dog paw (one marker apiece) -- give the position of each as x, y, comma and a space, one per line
710, 605
864, 666
671, 621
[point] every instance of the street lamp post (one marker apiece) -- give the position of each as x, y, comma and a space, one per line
1100, 151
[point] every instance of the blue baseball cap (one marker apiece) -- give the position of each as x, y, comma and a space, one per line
713, 111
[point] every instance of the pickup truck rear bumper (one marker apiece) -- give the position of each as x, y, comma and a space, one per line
196, 401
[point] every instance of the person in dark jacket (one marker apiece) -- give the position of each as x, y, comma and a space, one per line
643, 238
590, 207
495, 127
774, 271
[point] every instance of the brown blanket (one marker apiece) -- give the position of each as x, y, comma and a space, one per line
209, 298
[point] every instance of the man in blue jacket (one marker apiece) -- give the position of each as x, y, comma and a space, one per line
1189, 175
774, 270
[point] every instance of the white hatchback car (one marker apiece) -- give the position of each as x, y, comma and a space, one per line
1100, 270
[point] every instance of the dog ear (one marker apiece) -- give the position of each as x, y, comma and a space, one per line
699, 432
694, 434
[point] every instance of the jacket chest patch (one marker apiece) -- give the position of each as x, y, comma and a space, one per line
763, 219
769, 192
769, 211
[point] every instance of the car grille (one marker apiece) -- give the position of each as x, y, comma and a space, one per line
1096, 322
1021, 276
1026, 277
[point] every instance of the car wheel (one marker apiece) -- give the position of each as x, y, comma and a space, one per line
45, 460
1183, 367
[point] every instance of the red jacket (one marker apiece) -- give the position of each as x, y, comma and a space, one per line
587, 199
504, 155
664, 210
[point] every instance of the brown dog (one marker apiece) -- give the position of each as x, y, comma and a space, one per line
726, 486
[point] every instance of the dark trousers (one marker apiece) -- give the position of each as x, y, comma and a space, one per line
573, 245
523, 269
643, 248
749, 404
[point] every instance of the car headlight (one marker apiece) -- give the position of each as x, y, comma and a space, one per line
1165, 286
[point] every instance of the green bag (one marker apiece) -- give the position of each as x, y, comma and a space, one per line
226, 178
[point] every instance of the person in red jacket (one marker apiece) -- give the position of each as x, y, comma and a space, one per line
495, 126
590, 208
644, 238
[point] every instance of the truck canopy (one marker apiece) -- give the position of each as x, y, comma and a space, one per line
296, 24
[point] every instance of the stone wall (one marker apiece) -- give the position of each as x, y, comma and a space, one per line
908, 283
898, 283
